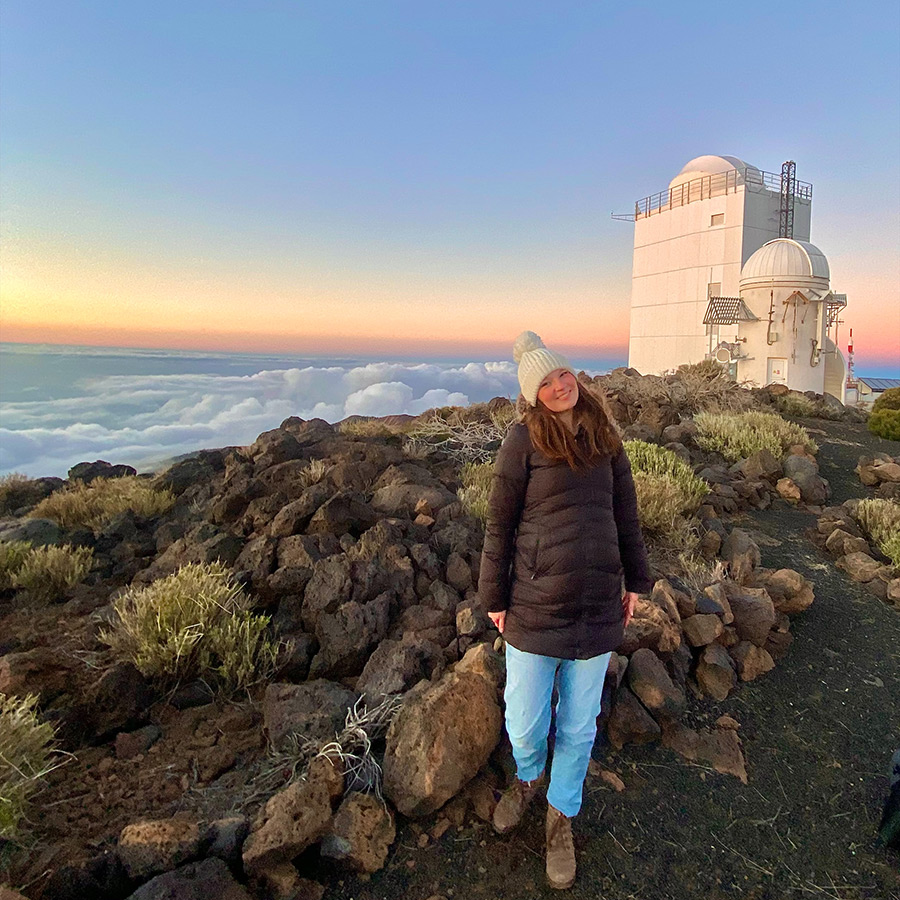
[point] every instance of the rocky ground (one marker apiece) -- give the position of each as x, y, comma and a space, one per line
368, 571
818, 733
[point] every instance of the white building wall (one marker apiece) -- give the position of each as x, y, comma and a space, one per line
678, 253
795, 336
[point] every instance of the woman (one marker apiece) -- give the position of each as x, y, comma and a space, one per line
562, 534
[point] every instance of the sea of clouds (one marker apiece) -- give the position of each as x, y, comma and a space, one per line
144, 419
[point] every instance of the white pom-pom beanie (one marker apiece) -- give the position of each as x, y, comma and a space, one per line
535, 363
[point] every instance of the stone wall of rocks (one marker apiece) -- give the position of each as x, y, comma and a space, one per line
881, 472
840, 535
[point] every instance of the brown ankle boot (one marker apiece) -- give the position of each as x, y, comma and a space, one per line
513, 803
560, 850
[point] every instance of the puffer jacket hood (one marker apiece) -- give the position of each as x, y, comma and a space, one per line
559, 544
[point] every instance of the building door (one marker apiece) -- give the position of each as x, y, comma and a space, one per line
776, 372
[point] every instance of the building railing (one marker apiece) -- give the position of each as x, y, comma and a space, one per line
714, 186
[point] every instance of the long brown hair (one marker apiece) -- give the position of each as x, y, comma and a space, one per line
555, 441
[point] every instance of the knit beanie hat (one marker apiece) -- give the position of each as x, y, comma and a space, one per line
535, 363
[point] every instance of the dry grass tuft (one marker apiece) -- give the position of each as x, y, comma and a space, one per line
46, 573
16, 491
96, 504
12, 555
353, 746
365, 428
465, 437
193, 624
476, 488
739, 435
880, 519
314, 472
25, 759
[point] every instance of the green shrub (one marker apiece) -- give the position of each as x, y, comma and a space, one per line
668, 493
12, 555
25, 758
48, 572
739, 435
683, 486
890, 399
17, 490
476, 488
885, 423
796, 405
880, 519
195, 623
98, 503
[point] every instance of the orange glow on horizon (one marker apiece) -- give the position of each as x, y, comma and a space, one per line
220, 341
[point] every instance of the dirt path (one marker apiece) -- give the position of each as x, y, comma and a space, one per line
818, 734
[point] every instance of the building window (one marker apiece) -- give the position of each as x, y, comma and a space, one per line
717, 219
714, 289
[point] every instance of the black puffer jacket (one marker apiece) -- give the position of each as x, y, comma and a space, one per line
557, 545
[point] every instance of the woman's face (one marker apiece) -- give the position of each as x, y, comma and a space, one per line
559, 391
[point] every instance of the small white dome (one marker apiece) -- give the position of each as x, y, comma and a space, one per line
710, 165
785, 259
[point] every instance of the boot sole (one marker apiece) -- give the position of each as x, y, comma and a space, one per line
560, 885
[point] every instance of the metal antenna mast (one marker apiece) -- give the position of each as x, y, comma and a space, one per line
788, 190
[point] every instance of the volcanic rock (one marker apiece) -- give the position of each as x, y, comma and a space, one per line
441, 737
316, 710
716, 672
147, 848
361, 834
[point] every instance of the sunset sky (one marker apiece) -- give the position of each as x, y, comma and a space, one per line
403, 177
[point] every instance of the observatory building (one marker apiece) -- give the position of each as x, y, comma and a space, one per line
723, 269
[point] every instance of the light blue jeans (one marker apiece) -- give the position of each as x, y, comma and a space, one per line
529, 689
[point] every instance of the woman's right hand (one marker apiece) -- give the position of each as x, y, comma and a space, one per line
499, 620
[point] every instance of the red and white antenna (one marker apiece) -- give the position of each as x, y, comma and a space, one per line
851, 375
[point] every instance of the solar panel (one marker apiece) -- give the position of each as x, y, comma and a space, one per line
880, 384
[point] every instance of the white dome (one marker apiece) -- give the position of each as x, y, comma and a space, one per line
785, 259
710, 165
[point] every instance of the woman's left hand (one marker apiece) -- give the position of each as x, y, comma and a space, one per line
629, 600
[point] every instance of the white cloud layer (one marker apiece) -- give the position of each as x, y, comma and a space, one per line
144, 419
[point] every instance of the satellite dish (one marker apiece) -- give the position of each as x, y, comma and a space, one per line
723, 355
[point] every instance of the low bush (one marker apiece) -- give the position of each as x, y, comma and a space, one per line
651, 459
466, 441
668, 493
17, 490
98, 503
885, 423
796, 405
196, 623
25, 758
12, 555
739, 435
706, 387
880, 519
476, 488
890, 399
46, 573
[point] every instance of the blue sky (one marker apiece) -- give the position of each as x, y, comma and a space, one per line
374, 173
